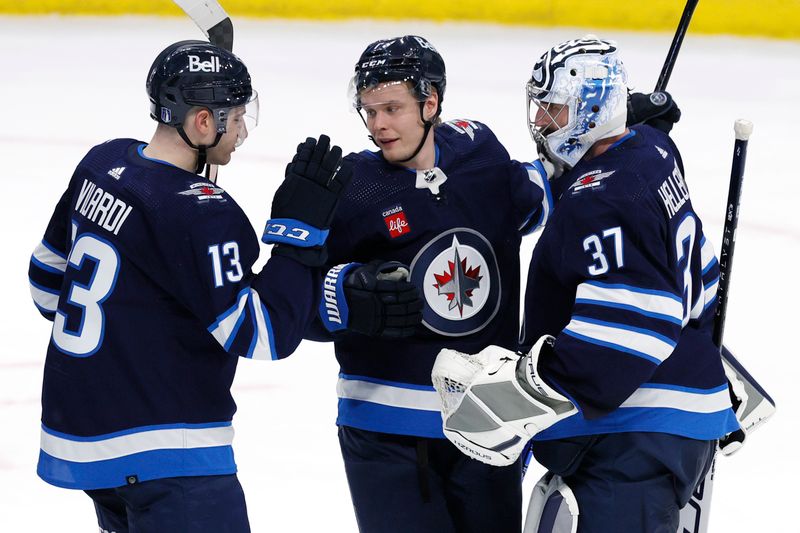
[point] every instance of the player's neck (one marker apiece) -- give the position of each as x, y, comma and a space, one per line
603, 145
426, 158
172, 149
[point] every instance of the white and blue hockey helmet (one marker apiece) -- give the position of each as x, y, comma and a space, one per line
586, 79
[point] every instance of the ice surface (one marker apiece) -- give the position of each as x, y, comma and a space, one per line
67, 84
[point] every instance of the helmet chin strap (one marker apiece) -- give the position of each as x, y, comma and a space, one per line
428, 125
202, 155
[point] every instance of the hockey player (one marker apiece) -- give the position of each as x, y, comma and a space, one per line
145, 271
623, 389
445, 199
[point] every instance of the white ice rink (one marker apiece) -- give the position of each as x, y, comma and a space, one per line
67, 84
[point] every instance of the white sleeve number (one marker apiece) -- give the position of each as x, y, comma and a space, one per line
86, 340
684, 242
230, 251
594, 245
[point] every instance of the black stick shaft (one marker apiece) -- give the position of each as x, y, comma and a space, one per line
729, 230
675, 47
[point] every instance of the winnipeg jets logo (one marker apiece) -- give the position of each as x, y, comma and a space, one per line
204, 191
591, 180
458, 276
458, 282
464, 127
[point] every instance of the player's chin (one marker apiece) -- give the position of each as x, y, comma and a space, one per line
221, 159
394, 153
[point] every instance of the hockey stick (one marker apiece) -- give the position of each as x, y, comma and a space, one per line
211, 19
675, 47
751, 402
218, 28
743, 129
694, 516
757, 404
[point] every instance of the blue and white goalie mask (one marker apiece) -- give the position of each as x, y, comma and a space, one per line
576, 96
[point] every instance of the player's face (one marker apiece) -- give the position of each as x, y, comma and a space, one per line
551, 117
235, 134
393, 119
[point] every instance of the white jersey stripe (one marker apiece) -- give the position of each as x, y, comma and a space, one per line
383, 394
47, 257
112, 448
226, 324
619, 337
707, 255
263, 348
652, 303
677, 399
44, 299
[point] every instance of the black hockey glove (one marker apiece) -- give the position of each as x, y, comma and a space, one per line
305, 202
373, 299
656, 109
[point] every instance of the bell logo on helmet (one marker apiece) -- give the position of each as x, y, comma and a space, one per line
195, 65
425, 44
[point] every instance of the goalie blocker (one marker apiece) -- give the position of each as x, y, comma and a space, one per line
494, 401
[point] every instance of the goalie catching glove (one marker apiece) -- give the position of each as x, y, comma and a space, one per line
493, 402
305, 202
375, 299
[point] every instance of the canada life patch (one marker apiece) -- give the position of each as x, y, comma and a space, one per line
395, 220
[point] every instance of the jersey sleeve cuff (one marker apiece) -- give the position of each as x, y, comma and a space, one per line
293, 233
333, 309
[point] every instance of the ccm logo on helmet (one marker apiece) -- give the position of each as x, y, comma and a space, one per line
195, 65
373, 63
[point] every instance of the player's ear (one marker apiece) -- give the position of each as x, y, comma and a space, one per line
203, 122
431, 105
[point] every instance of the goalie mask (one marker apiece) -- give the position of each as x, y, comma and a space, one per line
579, 90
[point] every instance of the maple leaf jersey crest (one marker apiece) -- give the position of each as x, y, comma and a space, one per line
592, 180
463, 127
204, 191
458, 276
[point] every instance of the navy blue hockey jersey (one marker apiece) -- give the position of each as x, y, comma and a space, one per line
458, 226
145, 270
625, 279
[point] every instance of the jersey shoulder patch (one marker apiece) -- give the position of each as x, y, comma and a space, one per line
467, 127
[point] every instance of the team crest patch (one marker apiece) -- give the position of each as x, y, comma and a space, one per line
204, 191
459, 278
592, 180
395, 220
464, 127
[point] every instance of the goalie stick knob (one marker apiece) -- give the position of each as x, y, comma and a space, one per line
743, 128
